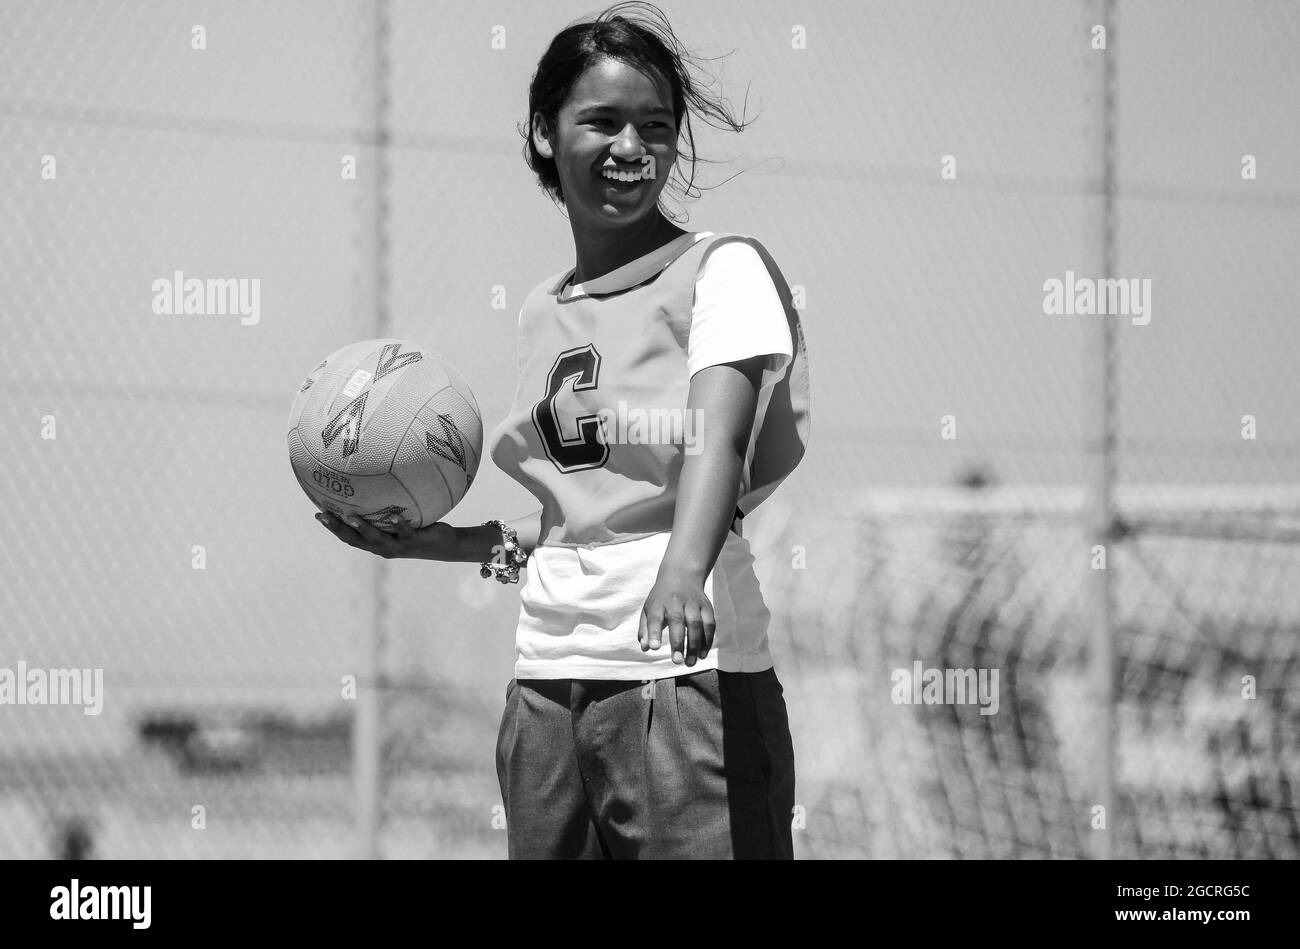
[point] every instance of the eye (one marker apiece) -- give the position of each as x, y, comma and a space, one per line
610, 122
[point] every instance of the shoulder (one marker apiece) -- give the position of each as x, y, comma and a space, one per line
550, 285
737, 264
739, 308
733, 258
542, 292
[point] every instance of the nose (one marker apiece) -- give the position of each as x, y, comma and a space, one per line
627, 144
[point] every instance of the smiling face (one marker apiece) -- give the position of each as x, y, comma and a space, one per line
614, 118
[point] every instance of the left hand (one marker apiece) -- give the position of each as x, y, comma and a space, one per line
677, 601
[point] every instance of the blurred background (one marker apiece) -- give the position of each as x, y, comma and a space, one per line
159, 535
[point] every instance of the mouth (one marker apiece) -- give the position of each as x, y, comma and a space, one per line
622, 182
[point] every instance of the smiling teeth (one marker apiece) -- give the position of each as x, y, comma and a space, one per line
622, 175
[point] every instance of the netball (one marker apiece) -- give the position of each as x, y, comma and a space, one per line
386, 430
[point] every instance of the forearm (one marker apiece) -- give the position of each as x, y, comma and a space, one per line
707, 490
706, 506
482, 543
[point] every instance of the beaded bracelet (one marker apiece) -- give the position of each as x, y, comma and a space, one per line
514, 556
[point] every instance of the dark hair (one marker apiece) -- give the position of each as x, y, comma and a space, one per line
635, 33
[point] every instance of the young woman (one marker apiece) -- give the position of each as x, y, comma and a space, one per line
662, 394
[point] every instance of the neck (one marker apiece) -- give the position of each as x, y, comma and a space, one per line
600, 252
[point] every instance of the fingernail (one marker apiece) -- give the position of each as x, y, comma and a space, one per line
677, 657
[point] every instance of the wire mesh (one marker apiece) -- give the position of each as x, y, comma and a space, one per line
988, 578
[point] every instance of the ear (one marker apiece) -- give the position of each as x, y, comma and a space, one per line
542, 136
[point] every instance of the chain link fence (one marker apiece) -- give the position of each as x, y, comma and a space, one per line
995, 579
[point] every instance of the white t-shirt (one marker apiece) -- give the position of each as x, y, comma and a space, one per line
580, 607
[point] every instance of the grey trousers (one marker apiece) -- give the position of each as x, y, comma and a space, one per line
696, 766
